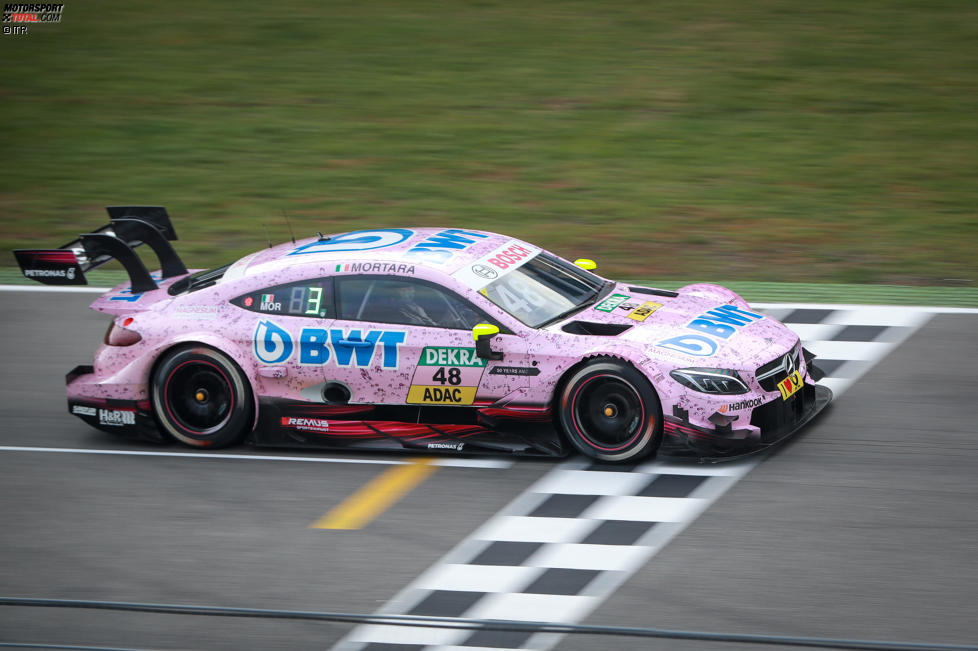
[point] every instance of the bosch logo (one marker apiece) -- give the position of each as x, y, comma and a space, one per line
503, 259
485, 272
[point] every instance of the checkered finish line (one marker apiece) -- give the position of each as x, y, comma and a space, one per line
567, 543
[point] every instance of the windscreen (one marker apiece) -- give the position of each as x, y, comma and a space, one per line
543, 289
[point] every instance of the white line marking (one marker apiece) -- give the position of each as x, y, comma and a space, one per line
856, 306
810, 331
583, 482
445, 463
532, 529
646, 509
881, 315
838, 385
522, 528
581, 556
533, 607
735, 469
45, 288
407, 635
871, 351
563, 539
478, 578
474, 463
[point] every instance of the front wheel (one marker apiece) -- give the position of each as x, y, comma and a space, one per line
201, 397
610, 411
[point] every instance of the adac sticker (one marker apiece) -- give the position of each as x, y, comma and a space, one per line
439, 395
446, 375
709, 330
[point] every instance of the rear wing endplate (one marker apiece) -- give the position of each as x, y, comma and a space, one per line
128, 227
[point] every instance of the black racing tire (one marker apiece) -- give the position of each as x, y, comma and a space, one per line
201, 398
610, 411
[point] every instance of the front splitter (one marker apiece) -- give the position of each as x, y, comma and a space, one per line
823, 397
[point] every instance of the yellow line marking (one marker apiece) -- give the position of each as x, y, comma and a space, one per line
358, 510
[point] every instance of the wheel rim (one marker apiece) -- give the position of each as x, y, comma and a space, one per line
608, 412
199, 397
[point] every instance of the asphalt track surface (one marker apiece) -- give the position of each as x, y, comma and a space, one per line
864, 527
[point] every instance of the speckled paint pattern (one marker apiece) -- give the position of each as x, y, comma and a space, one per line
289, 355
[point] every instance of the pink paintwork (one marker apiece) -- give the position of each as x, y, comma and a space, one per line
705, 326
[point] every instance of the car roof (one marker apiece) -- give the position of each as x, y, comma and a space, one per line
442, 249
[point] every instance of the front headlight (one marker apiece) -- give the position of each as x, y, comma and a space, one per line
710, 380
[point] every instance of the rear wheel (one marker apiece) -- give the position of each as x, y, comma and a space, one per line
609, 411
201, 397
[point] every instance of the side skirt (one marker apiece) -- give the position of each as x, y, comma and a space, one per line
296, 424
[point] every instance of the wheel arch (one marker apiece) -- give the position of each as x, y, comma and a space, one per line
589, 358
221, 345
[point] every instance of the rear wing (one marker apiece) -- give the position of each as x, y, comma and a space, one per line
128, 227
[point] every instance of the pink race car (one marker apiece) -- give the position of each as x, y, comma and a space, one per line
425, 339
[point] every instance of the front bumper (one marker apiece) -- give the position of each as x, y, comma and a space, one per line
772, 423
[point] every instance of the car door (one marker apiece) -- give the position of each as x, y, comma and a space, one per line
288, 321
402, 340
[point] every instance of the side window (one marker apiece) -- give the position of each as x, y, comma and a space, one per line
406, 302
309, 298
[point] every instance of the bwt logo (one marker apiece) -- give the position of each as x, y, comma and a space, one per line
317, 346
440, 247
720, 324
273, 345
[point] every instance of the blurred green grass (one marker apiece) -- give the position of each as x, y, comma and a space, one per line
766, 141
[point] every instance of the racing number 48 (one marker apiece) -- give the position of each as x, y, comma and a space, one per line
454, 376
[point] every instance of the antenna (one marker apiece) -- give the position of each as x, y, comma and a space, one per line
267, 236
290, 225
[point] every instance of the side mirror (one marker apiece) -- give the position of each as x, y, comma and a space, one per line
584, 263
482, 334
